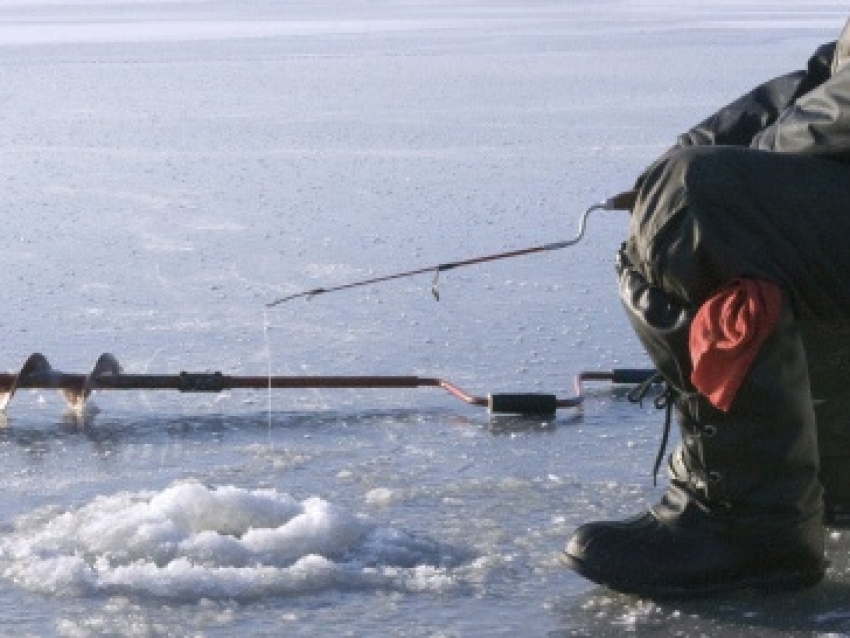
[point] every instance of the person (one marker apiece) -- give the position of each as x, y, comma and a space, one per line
736, 278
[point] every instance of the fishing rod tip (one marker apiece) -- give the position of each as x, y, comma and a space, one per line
308, 295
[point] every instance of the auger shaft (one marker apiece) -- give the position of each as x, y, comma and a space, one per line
36, 373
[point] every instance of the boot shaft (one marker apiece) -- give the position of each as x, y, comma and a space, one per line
759, 459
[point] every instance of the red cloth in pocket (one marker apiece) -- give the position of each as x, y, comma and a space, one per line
726, 334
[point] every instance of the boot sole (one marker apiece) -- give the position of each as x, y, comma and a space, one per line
763, 583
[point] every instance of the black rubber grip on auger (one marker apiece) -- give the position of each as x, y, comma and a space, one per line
630, 375
526, 403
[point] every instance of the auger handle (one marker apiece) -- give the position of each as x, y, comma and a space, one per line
630, 376
622, 201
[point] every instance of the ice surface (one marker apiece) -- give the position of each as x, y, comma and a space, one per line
169, 166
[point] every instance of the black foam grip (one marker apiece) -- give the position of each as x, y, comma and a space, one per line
537, 404
629, 375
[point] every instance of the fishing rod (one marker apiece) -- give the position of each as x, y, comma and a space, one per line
107, 374
623, 201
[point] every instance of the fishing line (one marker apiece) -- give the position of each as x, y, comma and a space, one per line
266, 329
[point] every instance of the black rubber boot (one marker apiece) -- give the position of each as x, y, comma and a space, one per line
744, 505
828, 353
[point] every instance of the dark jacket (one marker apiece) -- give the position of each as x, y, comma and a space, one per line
802, 112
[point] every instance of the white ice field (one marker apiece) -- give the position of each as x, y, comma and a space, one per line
170, 166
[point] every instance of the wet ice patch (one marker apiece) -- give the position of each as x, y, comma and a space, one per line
193, 541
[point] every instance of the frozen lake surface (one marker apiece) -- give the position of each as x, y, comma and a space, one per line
171, 166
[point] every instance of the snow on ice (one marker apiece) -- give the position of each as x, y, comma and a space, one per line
190, 541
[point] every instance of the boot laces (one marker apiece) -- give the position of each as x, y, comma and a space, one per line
663, 401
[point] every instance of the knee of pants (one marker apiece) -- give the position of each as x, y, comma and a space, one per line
684, 237
702, 171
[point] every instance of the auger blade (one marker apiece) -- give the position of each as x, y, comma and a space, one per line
36, 364
76, 397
